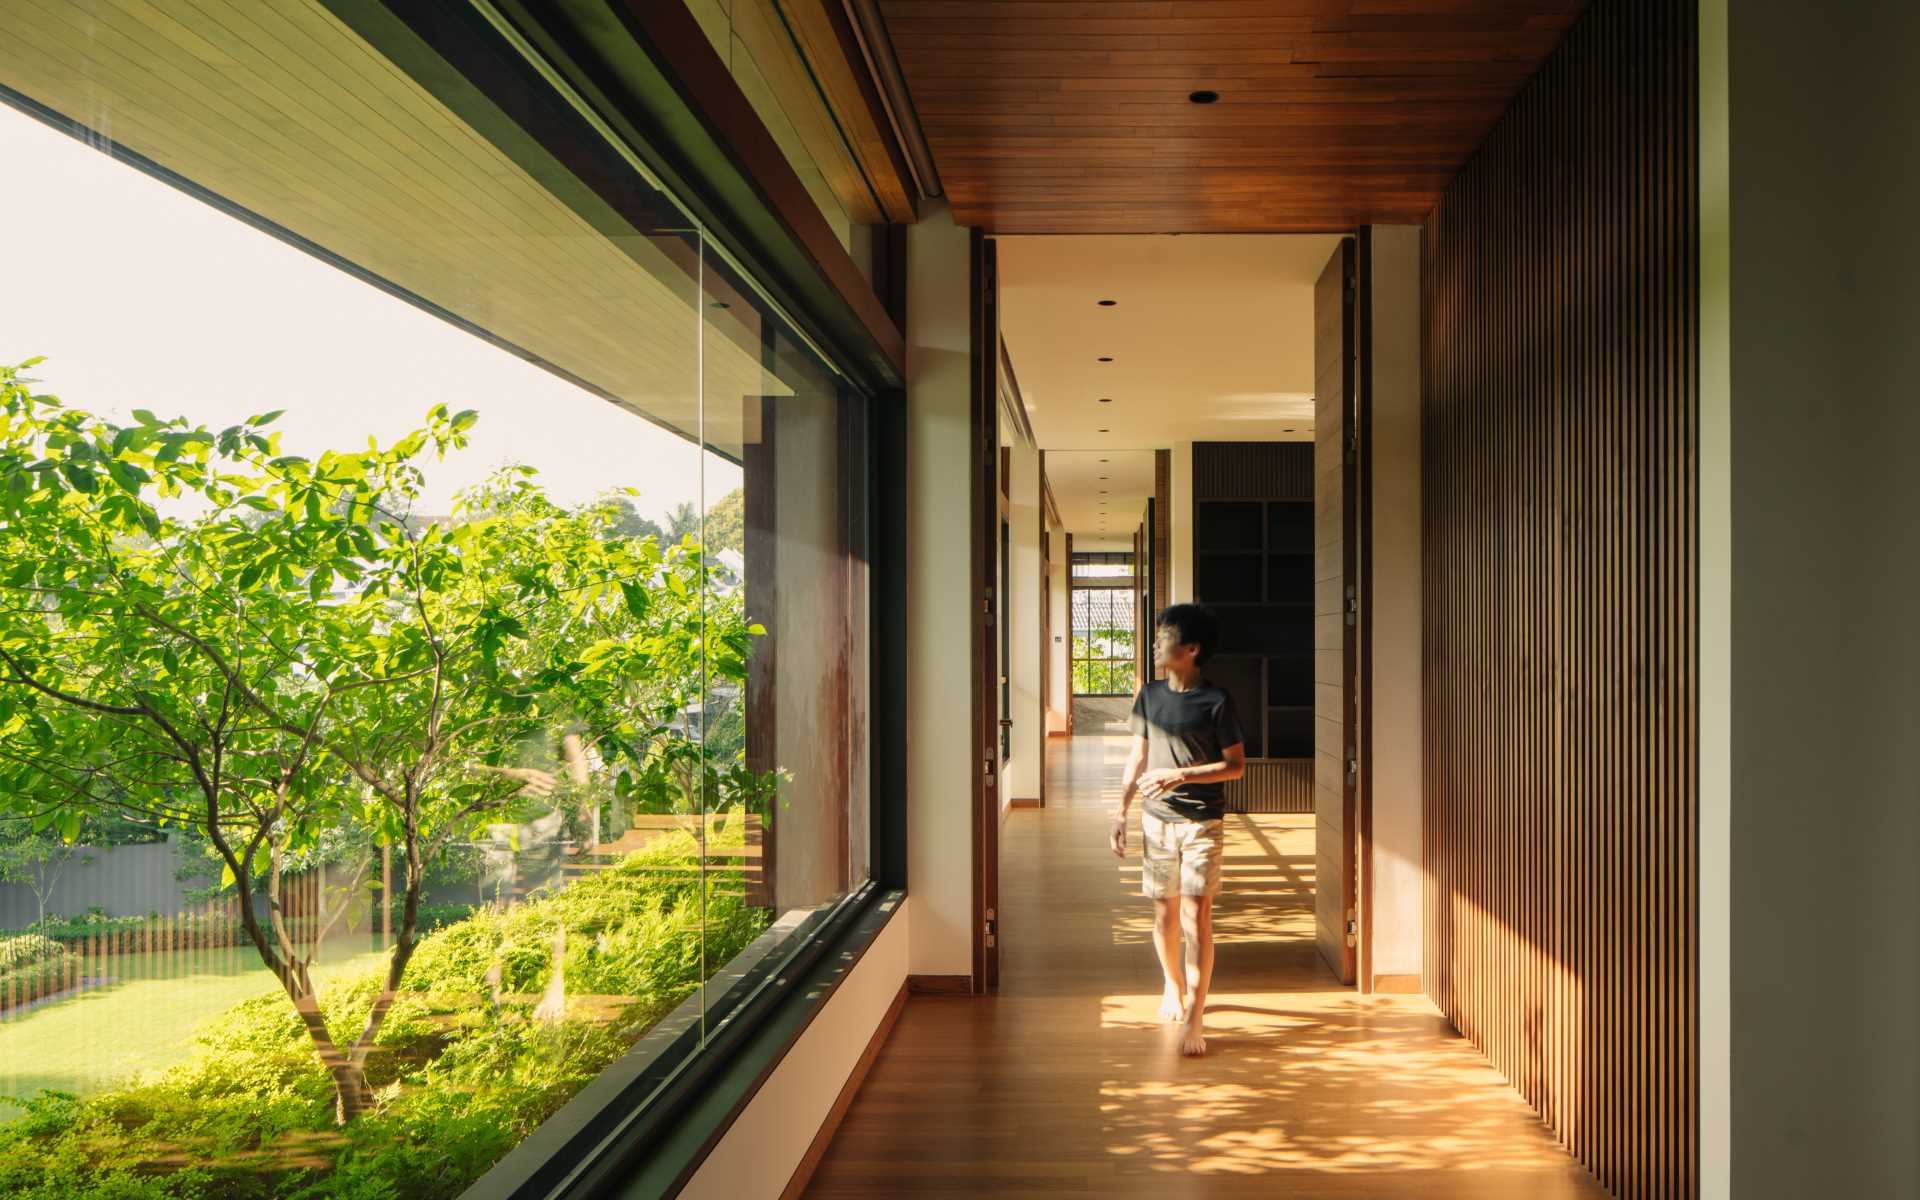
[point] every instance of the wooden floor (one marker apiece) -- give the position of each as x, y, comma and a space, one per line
1063, 1083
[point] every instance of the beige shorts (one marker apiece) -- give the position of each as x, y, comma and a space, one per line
1182, 858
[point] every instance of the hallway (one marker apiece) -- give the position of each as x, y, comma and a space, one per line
1063, 1083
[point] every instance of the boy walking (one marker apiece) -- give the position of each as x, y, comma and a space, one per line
1186, 745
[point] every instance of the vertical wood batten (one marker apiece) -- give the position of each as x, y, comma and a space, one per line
1560, 494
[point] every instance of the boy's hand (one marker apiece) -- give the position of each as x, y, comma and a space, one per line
1157, 783
1117, 838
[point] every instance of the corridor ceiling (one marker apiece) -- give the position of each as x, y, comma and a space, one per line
1048, 117
1211, 337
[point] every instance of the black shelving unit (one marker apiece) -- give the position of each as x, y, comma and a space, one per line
1253, 565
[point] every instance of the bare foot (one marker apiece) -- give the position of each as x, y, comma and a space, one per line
1193, 1040
1173, 1005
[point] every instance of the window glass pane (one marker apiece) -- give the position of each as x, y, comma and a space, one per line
410, 710
786, 676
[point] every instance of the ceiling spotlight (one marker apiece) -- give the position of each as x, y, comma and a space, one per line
1203, 96
1106, 358
1108, 303
1106, 431
1106, 399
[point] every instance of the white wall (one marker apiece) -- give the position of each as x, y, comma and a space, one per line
1398, 873
757, 1155
1060, 688
1180, 533
1022, 777
940, 752
1811, 478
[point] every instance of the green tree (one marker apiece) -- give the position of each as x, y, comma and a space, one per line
683, 522
35, 858
727, 523
297, 658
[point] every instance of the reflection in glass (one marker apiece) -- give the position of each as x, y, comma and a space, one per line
393, 734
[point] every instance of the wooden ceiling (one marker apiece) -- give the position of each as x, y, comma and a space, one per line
1052, 117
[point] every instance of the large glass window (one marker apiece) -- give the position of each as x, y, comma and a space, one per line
1105, 658
406, 716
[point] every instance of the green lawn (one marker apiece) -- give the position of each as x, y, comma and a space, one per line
146, 1019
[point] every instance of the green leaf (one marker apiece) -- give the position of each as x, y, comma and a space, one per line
81, 478
637, 599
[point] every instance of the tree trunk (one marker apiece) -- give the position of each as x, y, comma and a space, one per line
351, 1096
585, 804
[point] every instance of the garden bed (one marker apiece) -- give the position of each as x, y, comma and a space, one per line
462, 1074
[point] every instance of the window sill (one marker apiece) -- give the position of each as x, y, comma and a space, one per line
642, 1127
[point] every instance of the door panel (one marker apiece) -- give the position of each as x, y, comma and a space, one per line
985, 441
1335, 601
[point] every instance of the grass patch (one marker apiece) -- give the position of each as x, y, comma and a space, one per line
145, 1019
460, 1079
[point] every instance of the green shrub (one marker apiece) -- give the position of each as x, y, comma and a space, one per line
459, 1083
32, 966
30, 950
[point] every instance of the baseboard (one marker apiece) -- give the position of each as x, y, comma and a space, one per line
1397, 985
810, 1161
940, 985
1019, 803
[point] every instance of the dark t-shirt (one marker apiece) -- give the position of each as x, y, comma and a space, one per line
1184, 729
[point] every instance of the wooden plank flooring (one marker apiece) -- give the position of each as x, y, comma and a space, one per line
1063, 1083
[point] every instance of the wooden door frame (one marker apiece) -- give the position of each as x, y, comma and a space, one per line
1360, 530
984, 450
1339, 921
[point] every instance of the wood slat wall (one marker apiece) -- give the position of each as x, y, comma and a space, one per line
1273, 786
1560, 574
1251, 471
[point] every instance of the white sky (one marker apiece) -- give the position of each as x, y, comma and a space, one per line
141, 297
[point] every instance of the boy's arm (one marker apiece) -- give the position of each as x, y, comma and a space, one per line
1129, 783
1232, 765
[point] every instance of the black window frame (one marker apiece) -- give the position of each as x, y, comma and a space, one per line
644, 1126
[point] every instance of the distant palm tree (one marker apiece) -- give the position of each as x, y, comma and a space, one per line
683, 521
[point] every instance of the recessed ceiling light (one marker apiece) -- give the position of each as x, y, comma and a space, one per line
1103, 460
1106, 399
1106, 358
1203, 96
1108, 303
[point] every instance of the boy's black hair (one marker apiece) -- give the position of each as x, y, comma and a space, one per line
1194, 625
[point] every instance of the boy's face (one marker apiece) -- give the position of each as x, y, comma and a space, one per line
1169, 653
